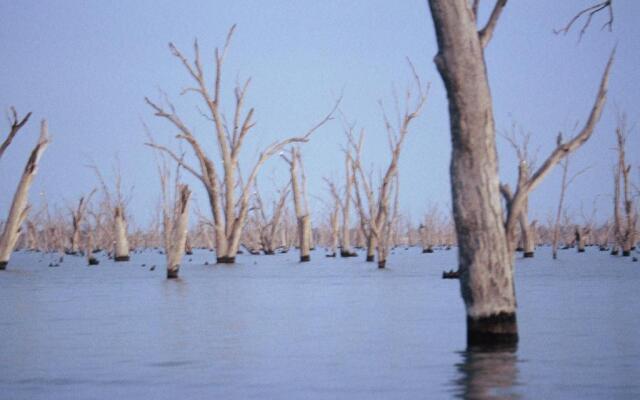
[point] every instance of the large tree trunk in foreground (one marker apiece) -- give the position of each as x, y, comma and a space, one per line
19, 208
485, 262
122, 244
175, 249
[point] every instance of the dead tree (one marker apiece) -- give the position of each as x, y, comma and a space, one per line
428, 229
89, 248
19, 207
77, 217
565, 183
345, 247
178, 226
485, 241
625, 229
525, 164
300, 202
334, 222
175, 198
581, 233
380, 219
229, 212
117, 237
268, 226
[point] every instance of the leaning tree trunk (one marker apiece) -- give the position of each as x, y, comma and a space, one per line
178, 238
19, 207
485, 262
122, 245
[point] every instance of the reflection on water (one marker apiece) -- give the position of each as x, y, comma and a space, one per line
487, 374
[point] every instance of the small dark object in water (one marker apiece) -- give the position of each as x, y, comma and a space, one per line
448, 248
93, 261
634, 259
240, 252
528, 254
305, 258
143, 265
330, 255
3, 265
614, 252
370, 258
604, 248
153, 267
121, 258
450, 274
54, 265
427, 250
347, 254
225, 260
172, 273
61, 259
206, 263
190, 259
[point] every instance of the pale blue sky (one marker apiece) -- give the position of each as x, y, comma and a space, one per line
86, 66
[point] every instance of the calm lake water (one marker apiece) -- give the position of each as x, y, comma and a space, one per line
271, 328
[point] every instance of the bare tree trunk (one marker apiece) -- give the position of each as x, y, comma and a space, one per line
19, 207
32, 236
89, 247
345, 250
485, 260
121, 242
371, 248
625, 230
175, 249
300, 204
528, 236
581, 237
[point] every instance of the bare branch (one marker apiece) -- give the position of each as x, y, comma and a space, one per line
486, 33
177, 159
16, 124
589, 12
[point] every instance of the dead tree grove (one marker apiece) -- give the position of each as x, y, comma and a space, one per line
228, 194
